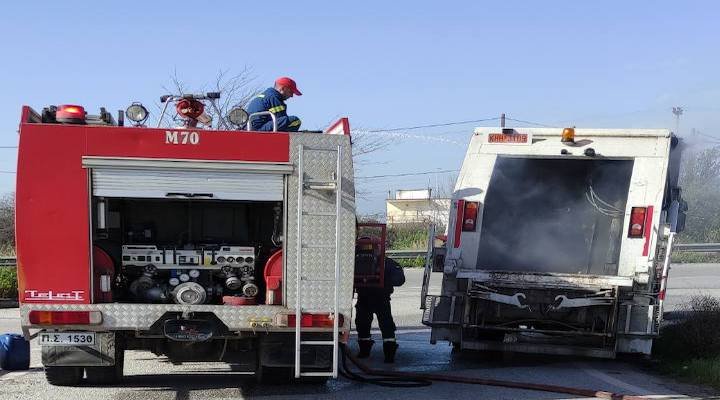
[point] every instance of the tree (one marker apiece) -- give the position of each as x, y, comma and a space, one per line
7, 223
236, 90
700, 181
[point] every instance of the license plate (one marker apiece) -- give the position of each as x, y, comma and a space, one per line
67, 338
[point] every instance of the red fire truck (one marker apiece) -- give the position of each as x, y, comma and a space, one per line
196, 243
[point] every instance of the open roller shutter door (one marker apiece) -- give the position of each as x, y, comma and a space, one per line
163, 184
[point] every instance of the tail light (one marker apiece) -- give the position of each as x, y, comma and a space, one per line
70, 114
470, 214
637, 222
65, 317
311, 320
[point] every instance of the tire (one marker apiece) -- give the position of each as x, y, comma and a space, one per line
273, 375
107, 375
63, 376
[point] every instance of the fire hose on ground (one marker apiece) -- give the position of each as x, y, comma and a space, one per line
415, 379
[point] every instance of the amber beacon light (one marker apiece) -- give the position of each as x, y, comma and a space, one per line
568, 135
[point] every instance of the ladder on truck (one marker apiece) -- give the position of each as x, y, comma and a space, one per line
333, 185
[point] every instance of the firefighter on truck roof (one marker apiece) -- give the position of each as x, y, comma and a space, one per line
273, 100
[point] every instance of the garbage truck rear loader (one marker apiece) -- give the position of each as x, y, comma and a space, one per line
558, 242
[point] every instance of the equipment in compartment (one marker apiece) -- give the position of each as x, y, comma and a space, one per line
189, 275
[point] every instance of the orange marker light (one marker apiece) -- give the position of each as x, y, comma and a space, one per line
568, 135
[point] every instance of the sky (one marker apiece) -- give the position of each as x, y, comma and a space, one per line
609, 64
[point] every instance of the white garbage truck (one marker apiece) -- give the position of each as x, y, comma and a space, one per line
558, 242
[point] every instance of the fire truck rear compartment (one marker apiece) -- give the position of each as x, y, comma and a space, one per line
156, 245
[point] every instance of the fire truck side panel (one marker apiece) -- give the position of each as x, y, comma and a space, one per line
319, 230
52, 192
57, 211
52, 225
183, 144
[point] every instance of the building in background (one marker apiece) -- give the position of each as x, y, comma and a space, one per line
416, 206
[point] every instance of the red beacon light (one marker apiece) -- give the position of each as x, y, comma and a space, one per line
70, 114
193, 110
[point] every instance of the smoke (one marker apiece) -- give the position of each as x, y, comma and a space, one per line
538, 215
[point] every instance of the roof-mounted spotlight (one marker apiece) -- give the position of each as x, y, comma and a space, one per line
238, 117
137, 113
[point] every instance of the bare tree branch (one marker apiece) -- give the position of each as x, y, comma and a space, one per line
235, 90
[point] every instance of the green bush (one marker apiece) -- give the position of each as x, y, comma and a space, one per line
689, 257
408, 237
8, 283
417, 262
696, 335
699, 370
690, 348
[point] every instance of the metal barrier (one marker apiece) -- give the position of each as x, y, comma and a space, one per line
8, 261
405, 254
697, 247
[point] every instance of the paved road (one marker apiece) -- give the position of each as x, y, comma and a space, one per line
687, 280
148, 377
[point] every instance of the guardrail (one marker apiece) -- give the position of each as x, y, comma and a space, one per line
8, 261
405, 254
697, 247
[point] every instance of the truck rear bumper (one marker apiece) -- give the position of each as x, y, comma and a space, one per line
138, 317
538, 348
544, 279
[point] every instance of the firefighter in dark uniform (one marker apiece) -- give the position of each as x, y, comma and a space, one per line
273, 100
376, 301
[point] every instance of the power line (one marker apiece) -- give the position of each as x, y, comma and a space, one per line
432, 125
530, 122
8, 147
408, 174
697, 132
8, 172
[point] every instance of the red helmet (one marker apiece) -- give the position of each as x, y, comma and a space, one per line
288, 83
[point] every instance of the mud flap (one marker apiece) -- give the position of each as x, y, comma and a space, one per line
102, 353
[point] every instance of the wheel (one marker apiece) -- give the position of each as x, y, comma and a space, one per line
273, 375
63, 376
108, 375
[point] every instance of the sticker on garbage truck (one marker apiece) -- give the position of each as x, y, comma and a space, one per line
509, 138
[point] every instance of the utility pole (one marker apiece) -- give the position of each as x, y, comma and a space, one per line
677, 111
